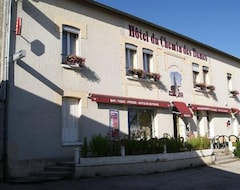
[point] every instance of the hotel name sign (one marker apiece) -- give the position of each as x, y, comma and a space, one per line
163, 42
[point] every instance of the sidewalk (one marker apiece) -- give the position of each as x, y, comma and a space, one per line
225, 176
233, 167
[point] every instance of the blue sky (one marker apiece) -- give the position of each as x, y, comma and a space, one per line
213, 22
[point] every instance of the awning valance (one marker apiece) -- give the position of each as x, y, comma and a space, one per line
210, 108
183, 109
99, 98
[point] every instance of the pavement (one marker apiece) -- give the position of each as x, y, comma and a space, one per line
222, 176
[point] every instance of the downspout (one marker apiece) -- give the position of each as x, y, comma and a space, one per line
8, 5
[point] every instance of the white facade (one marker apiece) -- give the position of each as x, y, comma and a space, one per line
53, 107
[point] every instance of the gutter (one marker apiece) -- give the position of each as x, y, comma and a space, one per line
8, 11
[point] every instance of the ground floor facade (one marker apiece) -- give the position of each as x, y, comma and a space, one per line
52, 136
143, 118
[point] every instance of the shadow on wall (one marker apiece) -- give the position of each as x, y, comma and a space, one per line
41, 18
40, 77
88, 74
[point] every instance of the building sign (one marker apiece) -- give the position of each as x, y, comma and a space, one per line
128, 101
114, 122
164, 42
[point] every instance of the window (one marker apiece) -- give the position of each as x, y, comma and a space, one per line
70, 116
140, 123
147, 60
70, 43
131, 57
229, 81
205, 75
195, 70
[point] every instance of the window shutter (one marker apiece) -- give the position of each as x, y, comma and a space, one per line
195, 67
71, 29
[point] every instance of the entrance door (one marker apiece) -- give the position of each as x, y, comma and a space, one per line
70, 115
175, 125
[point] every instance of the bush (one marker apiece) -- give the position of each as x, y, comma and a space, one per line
236, 151
100, 146
173, 145
84, 149
103, 146
199, 143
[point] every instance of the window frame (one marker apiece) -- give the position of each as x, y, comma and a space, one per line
70, 40
130, 56
205, 70
195, 73
229, 82
147, 60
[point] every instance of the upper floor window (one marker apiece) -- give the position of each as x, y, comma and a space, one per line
70, 41
148, 60
229, 81
195, 70
205, 75
131, 56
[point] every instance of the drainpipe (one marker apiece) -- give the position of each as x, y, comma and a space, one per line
8, 11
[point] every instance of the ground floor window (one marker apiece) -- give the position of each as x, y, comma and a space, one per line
140, 123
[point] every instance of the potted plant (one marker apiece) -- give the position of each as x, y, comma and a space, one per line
139, 73
202, 86
156, 76
149, 75
75, 61
130, 71
211, 88
234, 92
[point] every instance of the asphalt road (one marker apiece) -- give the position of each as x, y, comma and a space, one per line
226, 176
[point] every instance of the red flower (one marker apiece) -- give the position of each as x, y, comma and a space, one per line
75, 60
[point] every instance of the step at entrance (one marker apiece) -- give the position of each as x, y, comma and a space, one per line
59, 171
223, 156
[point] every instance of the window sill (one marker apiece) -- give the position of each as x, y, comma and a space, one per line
203, 90
72, 143
135, 78
72, 67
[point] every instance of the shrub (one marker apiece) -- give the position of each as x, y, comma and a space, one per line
155, 146
199, 143
173, 145
134, 147
100, 146
84, 149
236, 151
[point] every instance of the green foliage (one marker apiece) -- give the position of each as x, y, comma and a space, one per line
84, 149
199, 143
173, 145
100, 146
143, 146
103, 146
236, 151
155, 146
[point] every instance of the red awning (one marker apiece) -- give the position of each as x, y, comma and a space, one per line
210, 108
128, 101
235, 110
183, 109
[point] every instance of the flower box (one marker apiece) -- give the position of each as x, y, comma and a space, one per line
202, 86
74, 61
138, 72
211, 88
156, 76
234, 93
